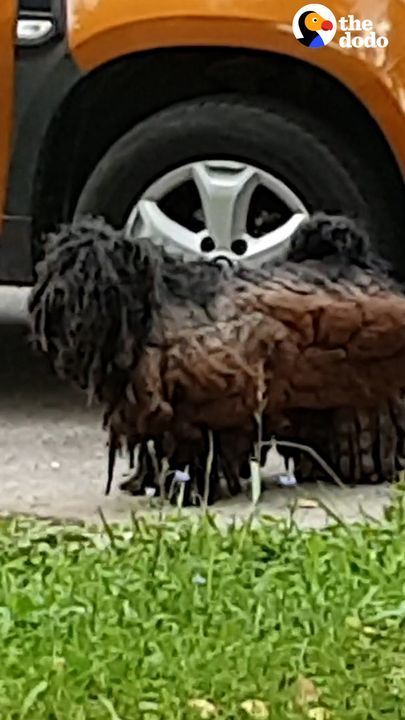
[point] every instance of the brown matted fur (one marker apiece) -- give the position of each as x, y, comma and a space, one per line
175, 349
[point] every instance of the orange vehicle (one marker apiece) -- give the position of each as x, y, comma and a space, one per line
213, 126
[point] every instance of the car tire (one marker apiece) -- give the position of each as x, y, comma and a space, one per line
288, 142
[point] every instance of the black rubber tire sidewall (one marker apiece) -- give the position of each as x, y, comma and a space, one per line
272, 136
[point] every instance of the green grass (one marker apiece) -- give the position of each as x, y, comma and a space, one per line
91, 630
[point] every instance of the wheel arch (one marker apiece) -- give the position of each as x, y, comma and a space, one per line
103, 32
85, 127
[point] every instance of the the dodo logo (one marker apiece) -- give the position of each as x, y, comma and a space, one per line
314, 25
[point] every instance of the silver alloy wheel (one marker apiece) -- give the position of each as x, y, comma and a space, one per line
225, 189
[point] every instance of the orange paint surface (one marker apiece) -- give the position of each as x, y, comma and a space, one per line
101, 30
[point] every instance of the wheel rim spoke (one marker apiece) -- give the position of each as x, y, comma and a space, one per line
274, 244
225, 198
148, 220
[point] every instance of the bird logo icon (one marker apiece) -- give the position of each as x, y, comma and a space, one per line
314, 25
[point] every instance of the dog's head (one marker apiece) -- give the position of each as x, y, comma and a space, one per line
90, 307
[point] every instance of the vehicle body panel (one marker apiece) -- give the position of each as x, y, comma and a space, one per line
34, 82
7, 25
101, 30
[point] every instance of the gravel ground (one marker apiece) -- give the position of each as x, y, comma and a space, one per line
54, 455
